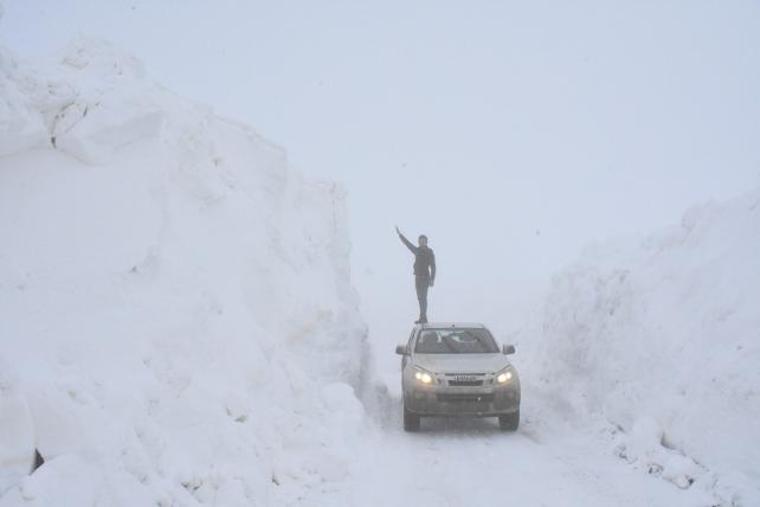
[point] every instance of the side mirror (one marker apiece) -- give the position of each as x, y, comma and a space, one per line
402, 350
507, 349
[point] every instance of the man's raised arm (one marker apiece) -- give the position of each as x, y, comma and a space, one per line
405, 241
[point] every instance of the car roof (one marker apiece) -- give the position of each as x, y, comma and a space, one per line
454, 325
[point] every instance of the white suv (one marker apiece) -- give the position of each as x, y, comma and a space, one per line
451, 369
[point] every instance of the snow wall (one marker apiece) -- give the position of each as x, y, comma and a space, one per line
177, 323
662, 339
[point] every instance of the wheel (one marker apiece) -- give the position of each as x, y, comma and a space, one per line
509, 422
411, 420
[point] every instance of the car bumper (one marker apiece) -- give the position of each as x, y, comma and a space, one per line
478, 402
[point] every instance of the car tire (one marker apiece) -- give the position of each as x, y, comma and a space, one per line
411, 420
509, 422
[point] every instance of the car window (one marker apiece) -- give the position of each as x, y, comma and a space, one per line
455, 341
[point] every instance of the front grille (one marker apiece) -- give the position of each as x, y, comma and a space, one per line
465, 398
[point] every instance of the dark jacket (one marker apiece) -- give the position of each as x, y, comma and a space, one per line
424, 259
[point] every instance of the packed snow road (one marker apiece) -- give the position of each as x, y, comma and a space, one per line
553, 459
460, 461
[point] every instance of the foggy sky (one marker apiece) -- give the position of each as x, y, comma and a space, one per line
511, 133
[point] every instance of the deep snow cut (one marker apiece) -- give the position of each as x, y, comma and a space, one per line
178, 324
178, 327
661, 338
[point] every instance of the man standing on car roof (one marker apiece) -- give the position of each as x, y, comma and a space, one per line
424, 271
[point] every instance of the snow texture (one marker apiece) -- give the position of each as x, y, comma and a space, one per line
178, 327
662, 339
177, 320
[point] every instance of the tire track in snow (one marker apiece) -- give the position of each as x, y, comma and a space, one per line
455, 461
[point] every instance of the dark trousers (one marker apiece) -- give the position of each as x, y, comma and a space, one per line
422, 283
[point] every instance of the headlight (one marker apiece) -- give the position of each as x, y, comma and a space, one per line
504, 376
423, 376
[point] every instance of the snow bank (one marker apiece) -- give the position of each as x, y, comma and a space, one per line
177, 324
663, 339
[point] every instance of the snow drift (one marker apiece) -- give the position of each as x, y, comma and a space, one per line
663, 340
177, 320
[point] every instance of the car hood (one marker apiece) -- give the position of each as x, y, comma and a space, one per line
461, 363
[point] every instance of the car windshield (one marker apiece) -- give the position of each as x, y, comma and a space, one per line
455, 341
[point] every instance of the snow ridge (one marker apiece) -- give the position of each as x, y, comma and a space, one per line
178, 322
661, 339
